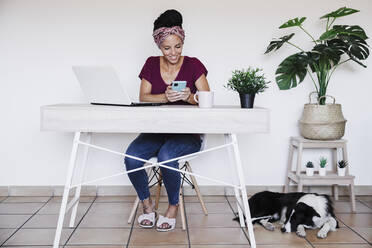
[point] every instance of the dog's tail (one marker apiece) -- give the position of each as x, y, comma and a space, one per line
254, 220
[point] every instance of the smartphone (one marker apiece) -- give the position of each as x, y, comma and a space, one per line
178, 85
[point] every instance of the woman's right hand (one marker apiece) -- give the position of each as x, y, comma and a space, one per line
172, 95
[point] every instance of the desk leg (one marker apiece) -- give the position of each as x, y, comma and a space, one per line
238, 164
66, 191
235, 181
80, 180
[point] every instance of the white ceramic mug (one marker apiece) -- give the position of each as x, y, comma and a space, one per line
205, 99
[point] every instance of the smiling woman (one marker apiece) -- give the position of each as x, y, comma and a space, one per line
156, 76
159, 72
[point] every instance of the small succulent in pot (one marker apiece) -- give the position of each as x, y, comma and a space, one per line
309, 164
342, 164
322, 162
322, 165
341, 167
309, 168
247, 83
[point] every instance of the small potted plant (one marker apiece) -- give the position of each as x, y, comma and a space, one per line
309, 169
322, 166
341, 167
247, 83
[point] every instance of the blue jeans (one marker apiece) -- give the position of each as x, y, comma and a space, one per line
164, 147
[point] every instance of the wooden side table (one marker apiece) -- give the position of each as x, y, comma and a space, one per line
331, 178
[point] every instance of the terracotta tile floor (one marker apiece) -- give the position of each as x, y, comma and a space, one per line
102, 222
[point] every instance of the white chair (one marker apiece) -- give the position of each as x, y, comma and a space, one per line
155, 173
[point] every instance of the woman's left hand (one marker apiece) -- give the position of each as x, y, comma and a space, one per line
185, 94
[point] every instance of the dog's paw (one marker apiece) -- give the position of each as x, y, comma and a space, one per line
301, 231
322, 234
269, 226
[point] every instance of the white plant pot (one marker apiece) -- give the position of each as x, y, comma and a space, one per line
322, 171
341, 171
309, 171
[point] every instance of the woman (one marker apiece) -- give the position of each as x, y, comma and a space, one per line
156, 77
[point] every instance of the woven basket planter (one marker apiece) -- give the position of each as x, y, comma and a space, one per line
322, 122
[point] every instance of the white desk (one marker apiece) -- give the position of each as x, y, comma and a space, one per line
85, 118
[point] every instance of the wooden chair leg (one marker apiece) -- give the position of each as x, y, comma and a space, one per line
182, 210
158, 192
197, 190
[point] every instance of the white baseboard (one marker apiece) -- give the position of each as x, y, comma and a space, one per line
106, 190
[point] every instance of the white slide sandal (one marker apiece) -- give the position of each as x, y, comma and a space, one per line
150, 217
171, 222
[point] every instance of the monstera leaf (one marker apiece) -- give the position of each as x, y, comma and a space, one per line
353, 46
292, 71
356, 48
343, 30
276, 44
340, 12
324, 54
293, 22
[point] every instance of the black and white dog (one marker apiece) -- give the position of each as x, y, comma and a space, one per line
296, 211
311, 211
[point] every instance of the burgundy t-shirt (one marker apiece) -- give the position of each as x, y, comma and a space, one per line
190, 71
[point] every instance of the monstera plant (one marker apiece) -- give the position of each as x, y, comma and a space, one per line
338, 44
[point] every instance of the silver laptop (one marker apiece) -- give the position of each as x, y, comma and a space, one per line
102, 86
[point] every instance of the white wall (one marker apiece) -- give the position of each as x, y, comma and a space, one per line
41, 39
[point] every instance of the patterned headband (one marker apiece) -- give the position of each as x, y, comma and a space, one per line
161, 33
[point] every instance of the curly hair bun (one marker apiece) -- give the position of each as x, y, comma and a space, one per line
169, 18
